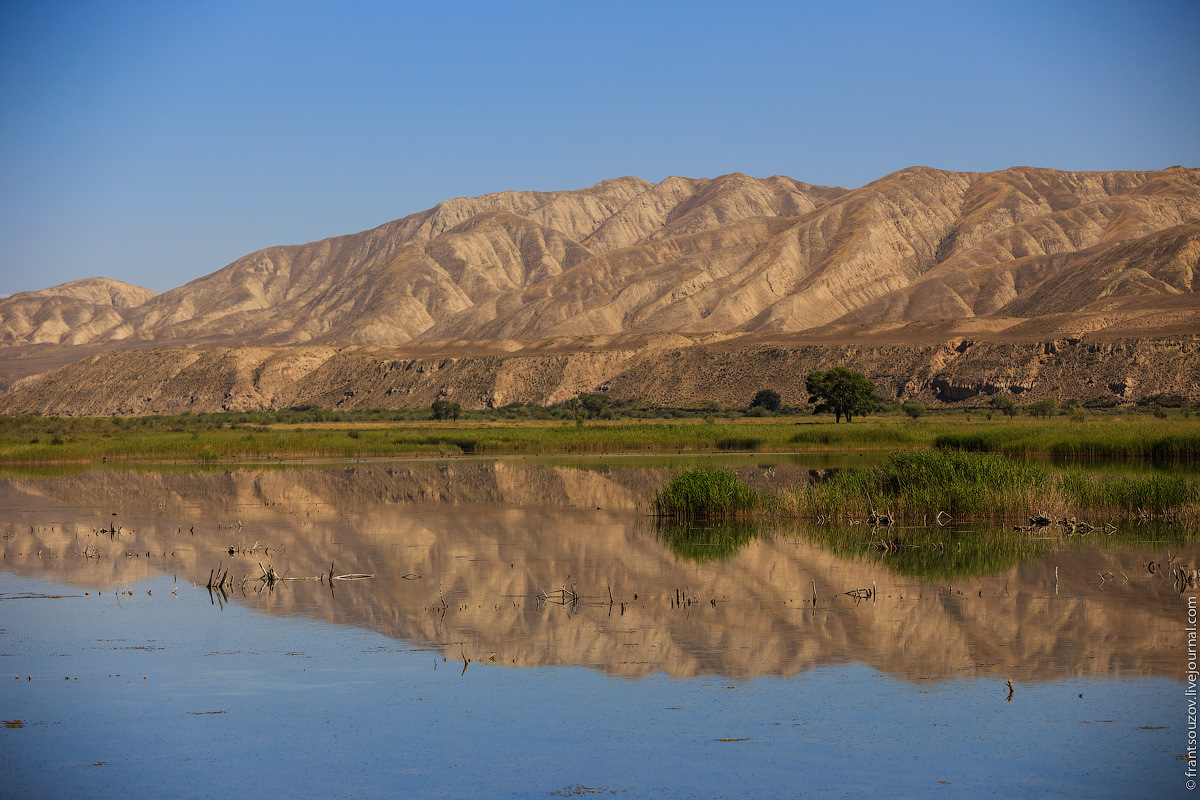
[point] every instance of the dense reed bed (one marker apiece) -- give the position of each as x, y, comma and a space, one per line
706, 494
921, 484
923, 487
1111, 438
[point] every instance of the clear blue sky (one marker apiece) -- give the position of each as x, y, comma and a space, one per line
154, 142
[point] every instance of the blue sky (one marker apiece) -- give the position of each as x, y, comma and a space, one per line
156, 142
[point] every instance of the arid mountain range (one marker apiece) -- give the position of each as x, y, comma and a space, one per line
898, 275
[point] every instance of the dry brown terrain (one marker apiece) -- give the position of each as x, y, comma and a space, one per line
940, 285
135, 382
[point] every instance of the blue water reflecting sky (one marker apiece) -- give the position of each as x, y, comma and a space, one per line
168, 695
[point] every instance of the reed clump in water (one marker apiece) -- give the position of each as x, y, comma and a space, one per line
919, 485
924, 485
1155, 496
706, 494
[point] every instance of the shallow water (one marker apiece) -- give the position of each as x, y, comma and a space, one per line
463, 668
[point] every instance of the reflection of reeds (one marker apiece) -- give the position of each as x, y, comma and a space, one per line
933, 553
706, 541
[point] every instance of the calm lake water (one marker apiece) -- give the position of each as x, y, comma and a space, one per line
527, 632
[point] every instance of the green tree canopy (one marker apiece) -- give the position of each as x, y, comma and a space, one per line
445, 409
913, 408
768, 399
594, 404
841, 391
1004, 405
1042, 408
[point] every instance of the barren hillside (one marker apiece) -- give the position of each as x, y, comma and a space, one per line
920, 256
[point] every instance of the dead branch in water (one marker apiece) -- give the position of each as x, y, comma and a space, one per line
562, 597
271, 577
218, 579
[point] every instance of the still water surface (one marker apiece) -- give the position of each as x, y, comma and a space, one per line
528, 633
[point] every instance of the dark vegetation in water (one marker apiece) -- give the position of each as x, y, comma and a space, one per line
925, 552
921, 486
936, 553
933, 514
704, 542
704, 494
918, 485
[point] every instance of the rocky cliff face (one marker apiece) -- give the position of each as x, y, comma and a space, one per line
920, 256
135, 382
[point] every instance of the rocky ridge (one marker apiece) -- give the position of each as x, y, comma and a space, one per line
589, 288
136, 382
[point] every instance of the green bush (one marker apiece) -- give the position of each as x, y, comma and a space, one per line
705, 493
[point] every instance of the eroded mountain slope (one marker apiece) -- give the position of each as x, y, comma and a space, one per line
730, 254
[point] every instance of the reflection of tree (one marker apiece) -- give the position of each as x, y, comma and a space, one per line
701, 542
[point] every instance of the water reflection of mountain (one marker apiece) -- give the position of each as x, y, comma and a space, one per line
486, 538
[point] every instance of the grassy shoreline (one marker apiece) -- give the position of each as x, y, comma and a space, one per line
921, 487
190, 438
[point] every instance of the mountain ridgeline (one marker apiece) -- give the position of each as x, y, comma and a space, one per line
921, 255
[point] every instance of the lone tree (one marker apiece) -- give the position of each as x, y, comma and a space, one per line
768, 399
841, 391
445, 409
594, 405
913, 408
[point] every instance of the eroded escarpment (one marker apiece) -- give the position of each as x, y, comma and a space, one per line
961, 371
